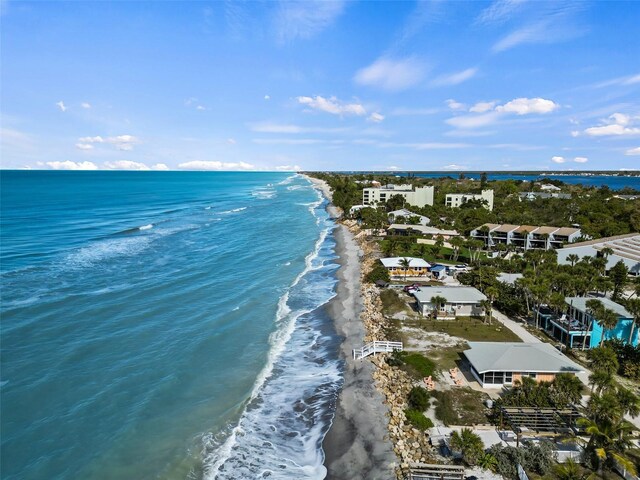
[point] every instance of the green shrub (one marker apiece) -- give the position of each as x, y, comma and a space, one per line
418, 420
420, 366
418, 399
378, 272
445, 411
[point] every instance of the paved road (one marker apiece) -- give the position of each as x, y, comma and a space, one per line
515, 327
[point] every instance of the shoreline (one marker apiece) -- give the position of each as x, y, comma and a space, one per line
357, 444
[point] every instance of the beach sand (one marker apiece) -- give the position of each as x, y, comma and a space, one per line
357, 444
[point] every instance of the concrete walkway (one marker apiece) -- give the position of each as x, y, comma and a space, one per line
515, 327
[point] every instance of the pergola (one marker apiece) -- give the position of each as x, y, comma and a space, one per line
541, 421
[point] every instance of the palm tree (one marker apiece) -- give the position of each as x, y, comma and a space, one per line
437, 301
405, 263
469, 444
633, 307
488, 462
629, 402
566, 389
608, 442
573, 258
569, 470
594, 307
491, 293
608, 319
456, 243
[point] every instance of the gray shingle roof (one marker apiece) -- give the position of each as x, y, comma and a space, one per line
518, 357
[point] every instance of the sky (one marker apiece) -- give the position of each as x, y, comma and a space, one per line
275, 85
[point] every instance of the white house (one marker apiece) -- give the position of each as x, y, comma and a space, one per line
406, 214
419, 197
525, 236
549, 187
495, 364
417, 267
625, 248
459, 301
400, 229
455, 200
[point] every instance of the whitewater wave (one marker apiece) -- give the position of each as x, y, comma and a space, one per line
279, 431
289, 179
99, 251
263, 193
234, 210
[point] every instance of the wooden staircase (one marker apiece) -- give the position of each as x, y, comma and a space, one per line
376, 347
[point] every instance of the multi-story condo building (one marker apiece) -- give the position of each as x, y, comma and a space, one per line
457, 199
418, 197
525, 237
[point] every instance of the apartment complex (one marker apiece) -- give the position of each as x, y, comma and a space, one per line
455, 200
525, 237
626, 248
418, 197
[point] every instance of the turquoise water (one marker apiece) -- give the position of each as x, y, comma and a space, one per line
165, 325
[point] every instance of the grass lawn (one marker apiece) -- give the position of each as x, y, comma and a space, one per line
471, 329
393, 302
461, 406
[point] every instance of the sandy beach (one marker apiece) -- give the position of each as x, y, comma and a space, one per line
357, 445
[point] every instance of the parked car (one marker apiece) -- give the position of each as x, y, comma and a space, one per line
411, 288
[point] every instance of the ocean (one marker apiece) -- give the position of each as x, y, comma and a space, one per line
165, 325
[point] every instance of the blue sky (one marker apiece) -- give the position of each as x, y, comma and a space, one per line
510, 84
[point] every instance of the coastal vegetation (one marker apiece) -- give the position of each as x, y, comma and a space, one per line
469, 328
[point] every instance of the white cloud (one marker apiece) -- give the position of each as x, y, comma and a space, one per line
121, 142
160, 167
332, 105
200, 107
215, 165
455, 78
525, 106
557, 159
125, 165
69, 165
616, 124
581, 159
415, 111
575, 133
61, 106
268, 127
304, 19
392, 74
454, 166
267, 97
231, 141
393, 167
86, 105
376, 117
624, 81
473, 121
499, 11
633, 151
286, 141
287, 168
84, 146
425, 145
482, 107
453, 105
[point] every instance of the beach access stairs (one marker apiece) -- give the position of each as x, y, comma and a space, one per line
376, 347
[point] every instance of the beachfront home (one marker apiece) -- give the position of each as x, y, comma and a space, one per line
543, 195
403, 214
458, 301
572, 327
509, 278
455, 200
549, 187
401, 229
419, 197
496, 364
626, 248
417, 267
525, 237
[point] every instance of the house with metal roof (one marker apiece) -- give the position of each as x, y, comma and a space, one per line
417, 267
626, 248
577, 326
407, 214
458, 301
495, 364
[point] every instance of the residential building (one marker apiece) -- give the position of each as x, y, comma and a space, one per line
627, 197
438, 272
356, 208
549, 187
455, 200
543, 195
400, 229
509, 278
525, 237
417, 267
406, 214
459, 301
496, 364
572, 327
626, 248
418, 197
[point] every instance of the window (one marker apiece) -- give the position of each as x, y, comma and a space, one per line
529, 374
495, 378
